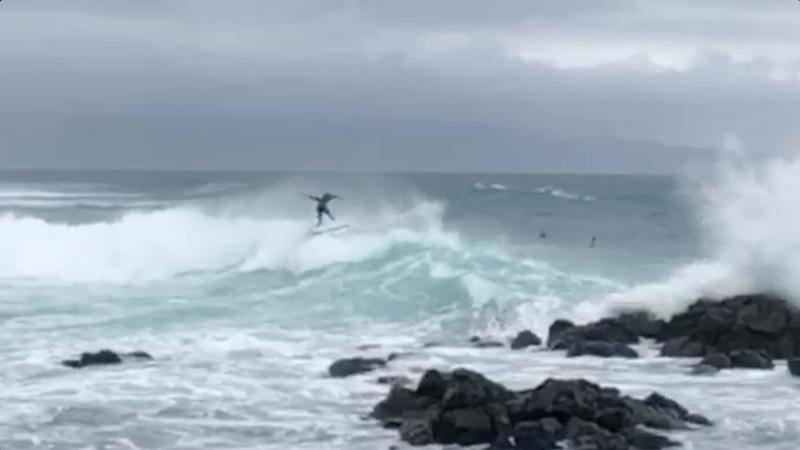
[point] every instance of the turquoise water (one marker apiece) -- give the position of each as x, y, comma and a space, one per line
216, 275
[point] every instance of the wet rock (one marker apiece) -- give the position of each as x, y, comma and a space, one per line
601, 349
433, 384
464, 426
417, 432
353, 366
606, 330
747, 322
556, 330
104, 357
643, 324
525, 339
540, 434
658, 401
464, 407
750, 359
467, 388
717, 360
138, 354
401, 402
793, 364
683, 347
394, 380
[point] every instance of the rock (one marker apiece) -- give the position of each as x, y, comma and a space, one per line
601, 349
643, 323
139, 355
104, 357
401, 402
467, 388
556, 329
433, 384
682, 347
793, 364
658, 401
750, 359
353, 366
464, 426
747, 322
394, 380
765, 315
525, 339
417, 432
540, 434
464, 407
606, 330
717, 360
613, 418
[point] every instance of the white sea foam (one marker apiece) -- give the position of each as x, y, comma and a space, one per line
749, 216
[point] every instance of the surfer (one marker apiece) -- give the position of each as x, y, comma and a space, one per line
593, 241
322, 206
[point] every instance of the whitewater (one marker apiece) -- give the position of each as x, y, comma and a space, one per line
216, 275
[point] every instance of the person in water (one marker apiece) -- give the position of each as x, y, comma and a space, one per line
322, 206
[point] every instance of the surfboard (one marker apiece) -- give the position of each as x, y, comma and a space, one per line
326, 230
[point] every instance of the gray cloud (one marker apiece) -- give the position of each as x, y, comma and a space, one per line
611, 85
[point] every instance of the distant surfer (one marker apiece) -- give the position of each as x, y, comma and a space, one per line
593, 241
542, 235
322, 206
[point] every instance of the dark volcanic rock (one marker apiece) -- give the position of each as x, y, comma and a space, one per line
717, 360
602, 349
464, 426
683, 347
558, 328
353, 366
793, 364
607, 330
104, 357
643, 324
746, 322
464, 407
433, 384
750, 359
538, 435
525, 339
394, 380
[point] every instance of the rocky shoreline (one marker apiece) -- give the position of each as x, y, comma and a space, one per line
463, 407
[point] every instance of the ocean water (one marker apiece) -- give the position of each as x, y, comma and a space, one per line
216, 275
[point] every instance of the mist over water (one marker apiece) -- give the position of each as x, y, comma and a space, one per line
218, 277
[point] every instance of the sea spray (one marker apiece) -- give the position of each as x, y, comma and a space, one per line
749, 217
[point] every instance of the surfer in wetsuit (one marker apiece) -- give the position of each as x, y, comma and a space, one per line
322, 206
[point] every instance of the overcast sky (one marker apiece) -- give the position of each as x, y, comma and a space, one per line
457, 85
